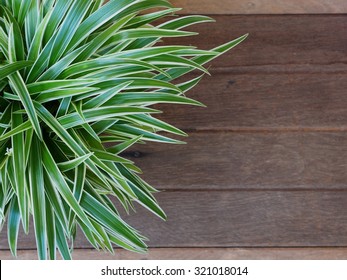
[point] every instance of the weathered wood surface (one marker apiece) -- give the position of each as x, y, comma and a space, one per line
282, 76
239, 219
200, 254
247, 160
262, 6
256, 101
305, 40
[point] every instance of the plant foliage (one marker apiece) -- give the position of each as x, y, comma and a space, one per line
77, 81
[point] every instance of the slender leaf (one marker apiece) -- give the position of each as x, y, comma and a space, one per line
13, 226
138, 98
71, 164
104, 97
79, 182
24, 8
16, 130
12, 68
18, 161
123, 146
37, 42
61, 241
56, 202
43, 86
51, 233
38, 202
31, 22
58, 94
102, 113
20, 89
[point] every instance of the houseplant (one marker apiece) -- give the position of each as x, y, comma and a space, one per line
77, 81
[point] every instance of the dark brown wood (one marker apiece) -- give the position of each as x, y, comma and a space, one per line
264, 101
248, 160
296, 79
274, 40
240, 219
200, 254
262, 6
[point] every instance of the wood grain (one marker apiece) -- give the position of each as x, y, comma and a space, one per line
239, 219
296, 79
200, 254
248, 160
264, 101
275, 40
261, 6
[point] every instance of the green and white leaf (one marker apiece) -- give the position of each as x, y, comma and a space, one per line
78, 82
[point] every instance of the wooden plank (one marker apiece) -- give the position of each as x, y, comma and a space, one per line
200, 254
264, 100
249, 160
295, 79
261, 6
275, 40
239, 219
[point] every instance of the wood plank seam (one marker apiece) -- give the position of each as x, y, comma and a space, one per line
262, 6
281, 129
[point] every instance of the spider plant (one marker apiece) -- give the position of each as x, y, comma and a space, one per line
77, 83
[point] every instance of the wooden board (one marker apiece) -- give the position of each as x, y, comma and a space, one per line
296, 79
229, 161
261, 6
288, 41
258, 101
239, 219
200, 254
